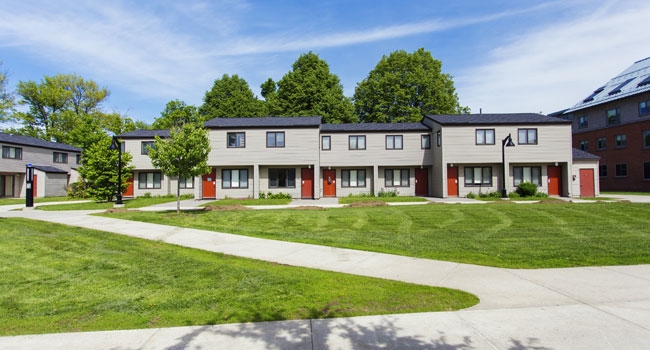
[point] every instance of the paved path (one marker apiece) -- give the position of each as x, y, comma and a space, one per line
574, 308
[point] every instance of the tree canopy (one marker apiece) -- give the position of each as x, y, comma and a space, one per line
7, 101
404, 86
176, 114
310, 89
230, 96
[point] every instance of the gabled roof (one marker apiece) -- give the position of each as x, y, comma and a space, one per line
35, 142
634, 80
49, 169
580, 154
144, 134
495, 119
374, 127
263, 122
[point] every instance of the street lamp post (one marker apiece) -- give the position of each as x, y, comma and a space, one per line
507, 142
115, 145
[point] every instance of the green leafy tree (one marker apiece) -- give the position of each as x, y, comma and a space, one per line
310, 89
184, 154
176, 114
7, 101
99, 169
404, 86
230, 96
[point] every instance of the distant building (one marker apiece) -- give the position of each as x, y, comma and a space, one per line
613, 123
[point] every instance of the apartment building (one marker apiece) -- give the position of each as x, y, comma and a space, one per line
613, 123
54, 166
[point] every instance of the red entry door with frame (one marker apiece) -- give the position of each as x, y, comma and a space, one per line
307, 188
452, 181
329, 183
587, 188
421, 182
129, 189
210, 184
554, 176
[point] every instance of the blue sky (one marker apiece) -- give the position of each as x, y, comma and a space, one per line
504, 55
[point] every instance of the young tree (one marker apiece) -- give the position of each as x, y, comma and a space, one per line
99, 169
7, 101
184, 154
230, 97
176, 114
403, 87
311, 90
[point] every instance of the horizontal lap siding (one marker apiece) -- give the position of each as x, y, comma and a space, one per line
36, 156
235, 192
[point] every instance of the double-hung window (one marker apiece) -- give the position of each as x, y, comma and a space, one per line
149, 180
646, 139
621, 170
78, 156
646, 171
236, 139
394, 142
425, 141
613, 116
644, 108
9, 152
527, 136
144, 147
478, 176
186, 182
275, 139
234, 178
602, 170
282, 178
357, 142
620, 141
584, 145
601, 143
583, 122
353, 178
396, 177
59, 157
531, 174
326, 143
485, 136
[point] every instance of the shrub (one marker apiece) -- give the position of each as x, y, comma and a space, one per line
77, 190
146, 195
513, 195
388, 193
527, 189
493, 194
471, 195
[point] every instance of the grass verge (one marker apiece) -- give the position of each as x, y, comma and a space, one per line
250, 201
54, 278
9, 201
128, 203
350, 200
542, 235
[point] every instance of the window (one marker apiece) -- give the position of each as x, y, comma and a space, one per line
425, 141
59, 157
12, 152
186, 182
646, 171
531, 174
353, 178
601, 143
326, 143
236, 139
234, 178
275, 139
78, 156
149, 180
602, 170
282, 178
646, 138
583, 122
485, 136
527, 136
613, 116
396, 177
621, 170
478, 176
620, 141
644, 108
394, 142
584, 145
144, 147
357, 142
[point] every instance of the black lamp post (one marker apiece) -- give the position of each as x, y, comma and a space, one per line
115, 145
507, 142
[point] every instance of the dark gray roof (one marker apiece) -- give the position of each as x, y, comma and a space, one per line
374, 127
35, 142
49, 169
263, 122
495, 119
580, 154
144, 134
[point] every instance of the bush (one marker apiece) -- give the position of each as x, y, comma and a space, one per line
271, 195
527, 189
388, 193
361, 195
471, 195
493, 194
77, 190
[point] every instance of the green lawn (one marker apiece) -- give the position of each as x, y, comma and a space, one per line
506, 235
9, 201
350, 200
55, 278
633, 193
250, 201
128, 203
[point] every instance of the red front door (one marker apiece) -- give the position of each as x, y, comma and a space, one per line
129, 188
554, 175
421, 182
307, 189
587, 183
209, 184
452, 181
329, 183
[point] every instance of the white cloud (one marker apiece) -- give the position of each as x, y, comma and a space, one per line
552, 68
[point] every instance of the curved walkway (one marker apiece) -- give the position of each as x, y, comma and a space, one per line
573, 308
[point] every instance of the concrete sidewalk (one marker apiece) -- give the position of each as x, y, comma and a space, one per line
574, 308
